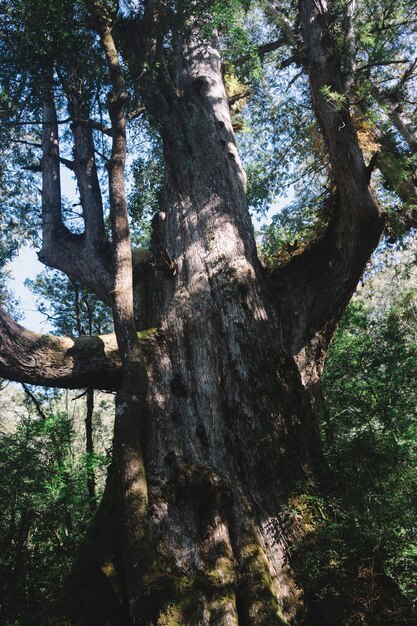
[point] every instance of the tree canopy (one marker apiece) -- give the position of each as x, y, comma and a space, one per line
266, 77
137, 140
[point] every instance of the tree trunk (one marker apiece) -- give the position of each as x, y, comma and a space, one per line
228, 429
89, 448
215, 427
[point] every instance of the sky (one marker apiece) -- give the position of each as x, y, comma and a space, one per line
26, 265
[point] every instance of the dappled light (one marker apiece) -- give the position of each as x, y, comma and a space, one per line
239, 445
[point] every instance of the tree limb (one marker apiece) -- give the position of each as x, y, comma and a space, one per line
85, 167
393, 109
35, 401
37, 359
405, 187
122, 287
135, 113
263, 50
61, 249
333, 266
368, 66
88, 123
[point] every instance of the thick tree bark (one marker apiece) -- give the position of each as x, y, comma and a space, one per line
64, 362
227, 415
214, 427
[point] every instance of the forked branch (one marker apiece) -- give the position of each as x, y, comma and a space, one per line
61, 249
333, 267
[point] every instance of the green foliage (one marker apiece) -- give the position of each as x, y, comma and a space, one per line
70, 308
7, 300
335, 100
365, 530
147, 174
371, 427
45, 508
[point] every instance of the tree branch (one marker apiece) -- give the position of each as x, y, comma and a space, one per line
86, 171
61, 249
389, 157
368, 66
393, 109
37, 359
277, 16
122, 288
333, 266
42, 122
35, 401
239, 96
69, 164
135, 113
88, 123
51, 180
263, 50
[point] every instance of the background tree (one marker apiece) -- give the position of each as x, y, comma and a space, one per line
364, 526
215, 425
46, 507
73, 311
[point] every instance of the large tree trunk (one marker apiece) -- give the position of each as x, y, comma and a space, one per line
215, 425
228, 429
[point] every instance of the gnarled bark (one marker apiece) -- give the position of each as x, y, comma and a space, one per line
64, 362
214, 428
201, 538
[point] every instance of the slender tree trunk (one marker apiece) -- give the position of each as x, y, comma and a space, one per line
89, 448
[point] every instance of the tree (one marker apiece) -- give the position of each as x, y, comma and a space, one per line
76, 312
216, 359
366, 523
45, 508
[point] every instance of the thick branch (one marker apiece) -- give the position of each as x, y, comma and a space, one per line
86, 171
317, 285
62, 249
122, 291
51, 182
37, 359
